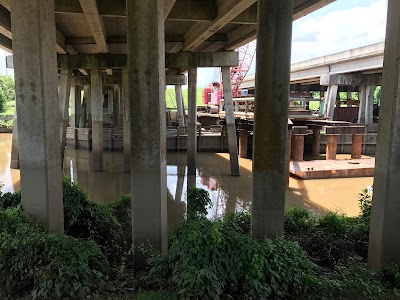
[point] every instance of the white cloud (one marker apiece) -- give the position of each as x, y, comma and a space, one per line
339, 30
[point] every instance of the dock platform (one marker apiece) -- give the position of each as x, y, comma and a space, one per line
324, 169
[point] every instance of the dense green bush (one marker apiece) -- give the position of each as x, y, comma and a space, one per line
198, 201
44, 265
86, 220
8, 200
211, 260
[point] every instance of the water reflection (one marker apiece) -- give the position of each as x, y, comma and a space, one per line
227, 193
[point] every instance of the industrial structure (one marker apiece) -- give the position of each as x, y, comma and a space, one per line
134, 48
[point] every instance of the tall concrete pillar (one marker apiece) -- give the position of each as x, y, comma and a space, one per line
366, 108
116, 105
274, 35
76, 105
126, 122
146, 91
35, 65
330, 101
64, 94
384, 240
96, 95
83, 116
180, 105
230, 121
192, 121
120, 106
14, 163
88, 92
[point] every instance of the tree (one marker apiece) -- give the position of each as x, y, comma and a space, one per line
7, 91
377, 95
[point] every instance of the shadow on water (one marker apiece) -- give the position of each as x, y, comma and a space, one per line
228, 193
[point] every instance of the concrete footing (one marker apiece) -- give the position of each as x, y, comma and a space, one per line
243, 143
331, 146
356, 146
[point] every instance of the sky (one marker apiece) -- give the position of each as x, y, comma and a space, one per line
342, 25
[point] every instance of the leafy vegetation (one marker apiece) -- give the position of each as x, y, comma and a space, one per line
45, 265
7, 91
320, 257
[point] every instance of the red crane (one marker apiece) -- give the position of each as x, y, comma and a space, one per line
246, 57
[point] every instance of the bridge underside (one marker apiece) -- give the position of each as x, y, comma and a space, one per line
142, 41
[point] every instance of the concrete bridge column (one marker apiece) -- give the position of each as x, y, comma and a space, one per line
384, 240
146, 93
116, 105
76, 105
366, 108
180, 105
64, 94
330, 101
126, 122
88, 92
14, 163
230, 121
83, 116
96, 94
35, 65
274, 34
192, 121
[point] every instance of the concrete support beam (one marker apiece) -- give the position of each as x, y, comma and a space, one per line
180, 105
175, 79
351, 79
64, 94
243, 143
230, 121
366, 107
168, 5
274, 35
95, 22
116, 111
172, 60
330, 101
146, 74
192, 122
76, 105
87, 94
96, 98
34, 39
14, 163
384, 240
227, 10
126, 121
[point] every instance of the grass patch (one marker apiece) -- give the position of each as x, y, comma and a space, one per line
170, 94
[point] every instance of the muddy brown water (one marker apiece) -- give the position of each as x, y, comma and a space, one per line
226, 192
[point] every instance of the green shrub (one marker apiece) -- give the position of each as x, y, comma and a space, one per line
390, 275
240, 222
351, 280
198, 201
298, 220
44, 265
86, 220
211, 260
365, 204
8, 200
327, 239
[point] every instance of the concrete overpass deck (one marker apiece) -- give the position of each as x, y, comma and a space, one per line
362, 60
